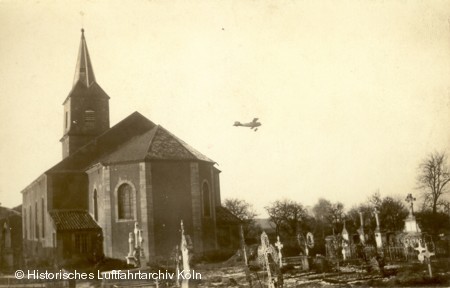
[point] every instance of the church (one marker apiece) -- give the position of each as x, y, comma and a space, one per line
110, 178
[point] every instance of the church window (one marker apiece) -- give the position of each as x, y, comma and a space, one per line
29, 227
206, 200
43, 217
67, 120
95, 205
89, 119
36, 224
25, 223
126, 202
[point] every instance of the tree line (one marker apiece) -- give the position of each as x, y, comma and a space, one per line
291, 218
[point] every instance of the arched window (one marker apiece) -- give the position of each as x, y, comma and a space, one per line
25, 219
95, 205
30, 227
89, 119
43, 217
36, 224
125, 198
206, 200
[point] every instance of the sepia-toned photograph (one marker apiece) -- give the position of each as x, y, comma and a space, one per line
240, 143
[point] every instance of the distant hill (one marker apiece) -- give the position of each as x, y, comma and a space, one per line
265, 224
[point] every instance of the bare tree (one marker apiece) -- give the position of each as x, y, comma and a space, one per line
434, 175
286, 215
241, 209
245, 212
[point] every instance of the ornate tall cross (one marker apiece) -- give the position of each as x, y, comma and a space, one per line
410, 199
265, 247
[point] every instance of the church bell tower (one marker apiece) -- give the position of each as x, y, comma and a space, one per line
86, 109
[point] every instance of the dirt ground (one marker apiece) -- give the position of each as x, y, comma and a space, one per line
238, 275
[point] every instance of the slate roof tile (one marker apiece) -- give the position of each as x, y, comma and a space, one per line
66, 220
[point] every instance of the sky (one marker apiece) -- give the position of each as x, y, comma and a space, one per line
352, 95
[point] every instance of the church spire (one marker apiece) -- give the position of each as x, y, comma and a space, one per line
86, 108
84, 71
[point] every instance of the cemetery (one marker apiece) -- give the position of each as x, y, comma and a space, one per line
408, 258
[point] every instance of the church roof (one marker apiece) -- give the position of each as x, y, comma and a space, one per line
156, 143
73, 220
133, 125
224, 216
84, 72
133, 139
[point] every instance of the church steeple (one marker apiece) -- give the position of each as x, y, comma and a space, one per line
86, 109
84, 71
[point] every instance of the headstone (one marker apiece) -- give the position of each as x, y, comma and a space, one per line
305, 262
320, 264
374, 265
344, 233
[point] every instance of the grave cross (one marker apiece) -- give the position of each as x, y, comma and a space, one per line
376, 212
421, 251
279, 247
411, 200
185, 257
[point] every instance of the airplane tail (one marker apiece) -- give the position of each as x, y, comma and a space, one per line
237, 123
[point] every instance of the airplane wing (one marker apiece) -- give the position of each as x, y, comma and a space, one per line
255, 119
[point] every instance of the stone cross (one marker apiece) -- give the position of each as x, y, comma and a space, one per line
141, 244
136, 234
410, 199
427, 254
184, 249
130, 244
279, 247
421, 250
361, 229
184, 257
244, 252
135, 247
376, 212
